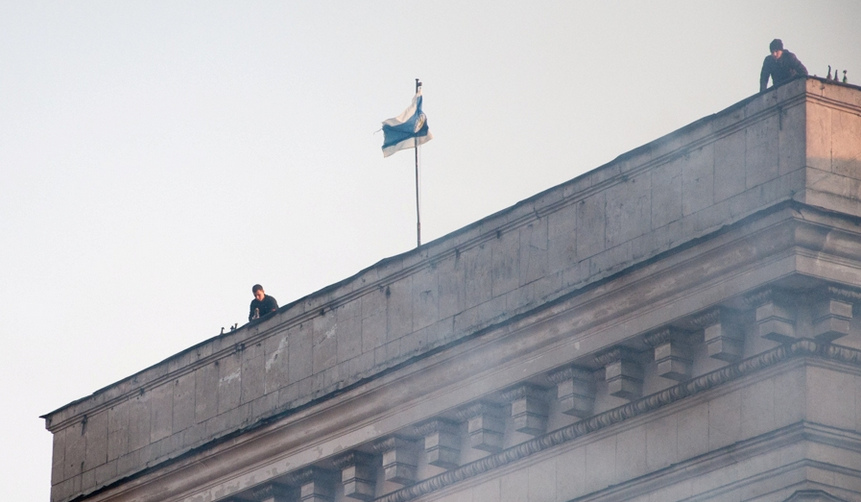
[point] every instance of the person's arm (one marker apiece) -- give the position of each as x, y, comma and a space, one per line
798, 69
764, 74
251, 312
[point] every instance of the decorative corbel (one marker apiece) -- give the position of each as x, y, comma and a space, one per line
673, 357
485, 425
358, 475
529, 408
315, 484
724, 339
775, 314
832, 312
575, 390
399, 459
622, 372
442, 444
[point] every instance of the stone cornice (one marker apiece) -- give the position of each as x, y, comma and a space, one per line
801, 348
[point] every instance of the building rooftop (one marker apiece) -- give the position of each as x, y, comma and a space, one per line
535, 262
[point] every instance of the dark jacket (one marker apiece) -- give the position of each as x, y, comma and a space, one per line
780, 70
263, 307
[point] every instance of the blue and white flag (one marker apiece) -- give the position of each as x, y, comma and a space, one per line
407, 130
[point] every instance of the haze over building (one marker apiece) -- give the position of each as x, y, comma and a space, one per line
678, 324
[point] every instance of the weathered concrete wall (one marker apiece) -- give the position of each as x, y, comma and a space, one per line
670, 192
833, 147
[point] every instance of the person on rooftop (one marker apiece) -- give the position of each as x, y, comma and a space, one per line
781, 65
262, 304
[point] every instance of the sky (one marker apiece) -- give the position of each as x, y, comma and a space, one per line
158, 158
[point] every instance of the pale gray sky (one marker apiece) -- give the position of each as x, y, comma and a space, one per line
158, 158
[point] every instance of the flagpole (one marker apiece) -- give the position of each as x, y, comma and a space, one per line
418, 214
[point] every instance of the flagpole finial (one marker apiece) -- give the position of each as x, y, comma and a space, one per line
418, 84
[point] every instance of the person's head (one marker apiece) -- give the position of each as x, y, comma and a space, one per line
257, 291
776, 48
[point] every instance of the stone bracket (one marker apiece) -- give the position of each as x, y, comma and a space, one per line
529, 408
622, 372
315, 484
673, 354
832, 313
399, 459
442, 442
723, 337
358, 475
575, 390
775, 314
485, 426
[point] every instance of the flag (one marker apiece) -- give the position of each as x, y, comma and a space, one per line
407, 130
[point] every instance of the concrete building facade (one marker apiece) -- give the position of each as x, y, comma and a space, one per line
679, 324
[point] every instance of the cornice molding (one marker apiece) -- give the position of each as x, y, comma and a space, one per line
800, 348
